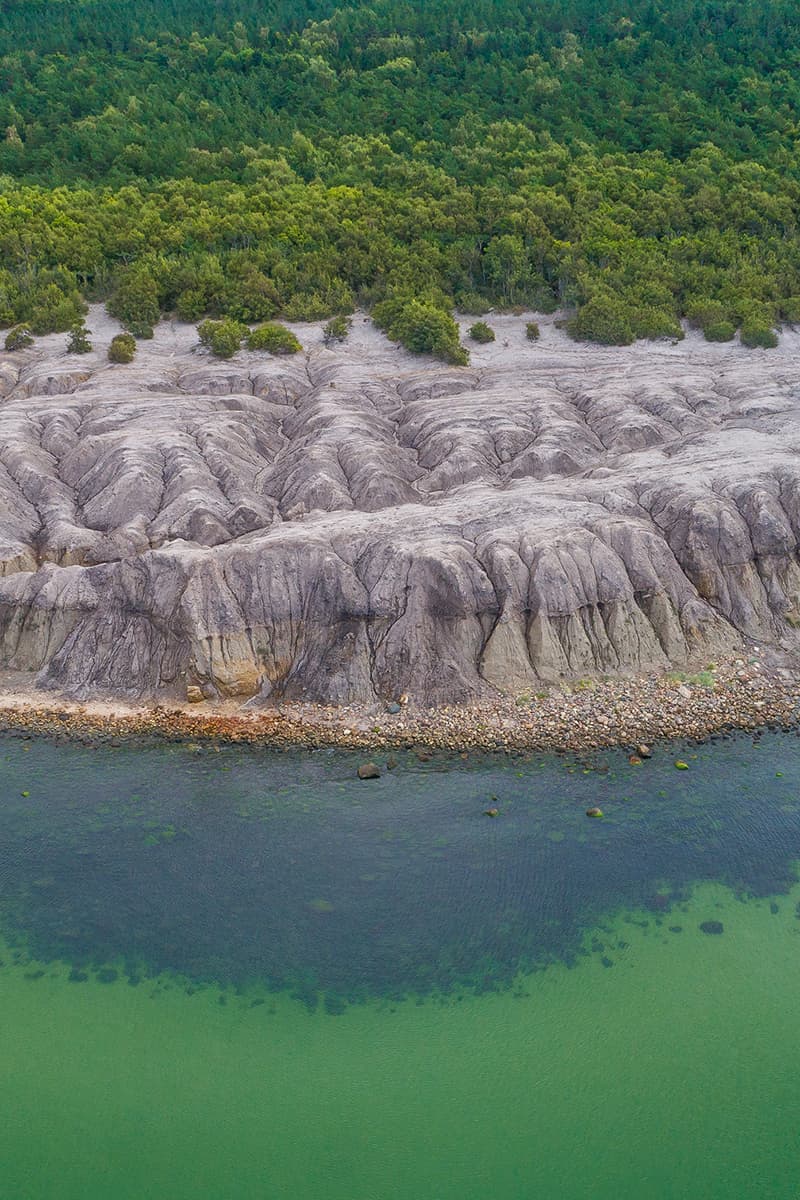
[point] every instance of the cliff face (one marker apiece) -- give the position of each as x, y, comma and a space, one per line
355, 523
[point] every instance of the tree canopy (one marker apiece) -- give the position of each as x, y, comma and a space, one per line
633, 166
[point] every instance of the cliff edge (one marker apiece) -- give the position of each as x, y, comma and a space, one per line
351, 524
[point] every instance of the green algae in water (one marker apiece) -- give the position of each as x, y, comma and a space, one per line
399, 999
673, 1074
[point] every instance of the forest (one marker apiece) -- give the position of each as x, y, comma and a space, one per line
631, 164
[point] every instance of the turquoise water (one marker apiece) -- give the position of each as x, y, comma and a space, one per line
241, 974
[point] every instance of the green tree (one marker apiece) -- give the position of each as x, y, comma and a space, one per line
78, 340
135, 301
19, 338
122, 348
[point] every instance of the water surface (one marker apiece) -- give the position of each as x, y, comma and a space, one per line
236, 973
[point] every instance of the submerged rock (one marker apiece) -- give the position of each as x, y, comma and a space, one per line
712, 927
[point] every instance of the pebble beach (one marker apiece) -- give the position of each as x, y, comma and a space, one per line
587, 715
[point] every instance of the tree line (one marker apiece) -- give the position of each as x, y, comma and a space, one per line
633, 168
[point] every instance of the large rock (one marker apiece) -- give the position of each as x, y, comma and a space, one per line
358, 524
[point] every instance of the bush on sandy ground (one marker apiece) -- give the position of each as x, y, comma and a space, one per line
122, 348
274, 338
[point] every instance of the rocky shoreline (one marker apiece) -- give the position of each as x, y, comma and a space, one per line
589, 715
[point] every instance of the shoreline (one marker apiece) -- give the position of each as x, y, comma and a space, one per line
588, 715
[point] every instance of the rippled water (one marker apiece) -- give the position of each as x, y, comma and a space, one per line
245, 974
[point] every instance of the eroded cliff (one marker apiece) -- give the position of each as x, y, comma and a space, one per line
353, 523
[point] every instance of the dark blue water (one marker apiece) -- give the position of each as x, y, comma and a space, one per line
239, 866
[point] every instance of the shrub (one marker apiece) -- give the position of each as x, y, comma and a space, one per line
603, 319
336, 330
472, 304
480, 332
790, 310
141, 330
135, 301
274, 338
51, 304
422, 327
78, 340
19, 337
532, 331
703, 312
720, 331
544, 300
755, 334
249, 295
222, 338
191, 304
650, 321
122, 348
307, 307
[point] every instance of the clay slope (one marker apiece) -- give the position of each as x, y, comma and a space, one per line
354, 524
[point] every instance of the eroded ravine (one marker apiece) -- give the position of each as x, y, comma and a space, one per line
356, 523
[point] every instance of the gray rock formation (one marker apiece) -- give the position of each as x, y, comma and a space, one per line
353, 524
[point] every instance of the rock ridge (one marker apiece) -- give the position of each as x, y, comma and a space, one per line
354, 524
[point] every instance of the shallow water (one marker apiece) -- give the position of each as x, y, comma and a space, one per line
247, 974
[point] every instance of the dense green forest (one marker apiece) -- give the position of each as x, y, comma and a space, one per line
632, 163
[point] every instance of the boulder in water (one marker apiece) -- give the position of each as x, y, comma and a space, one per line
369, 770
